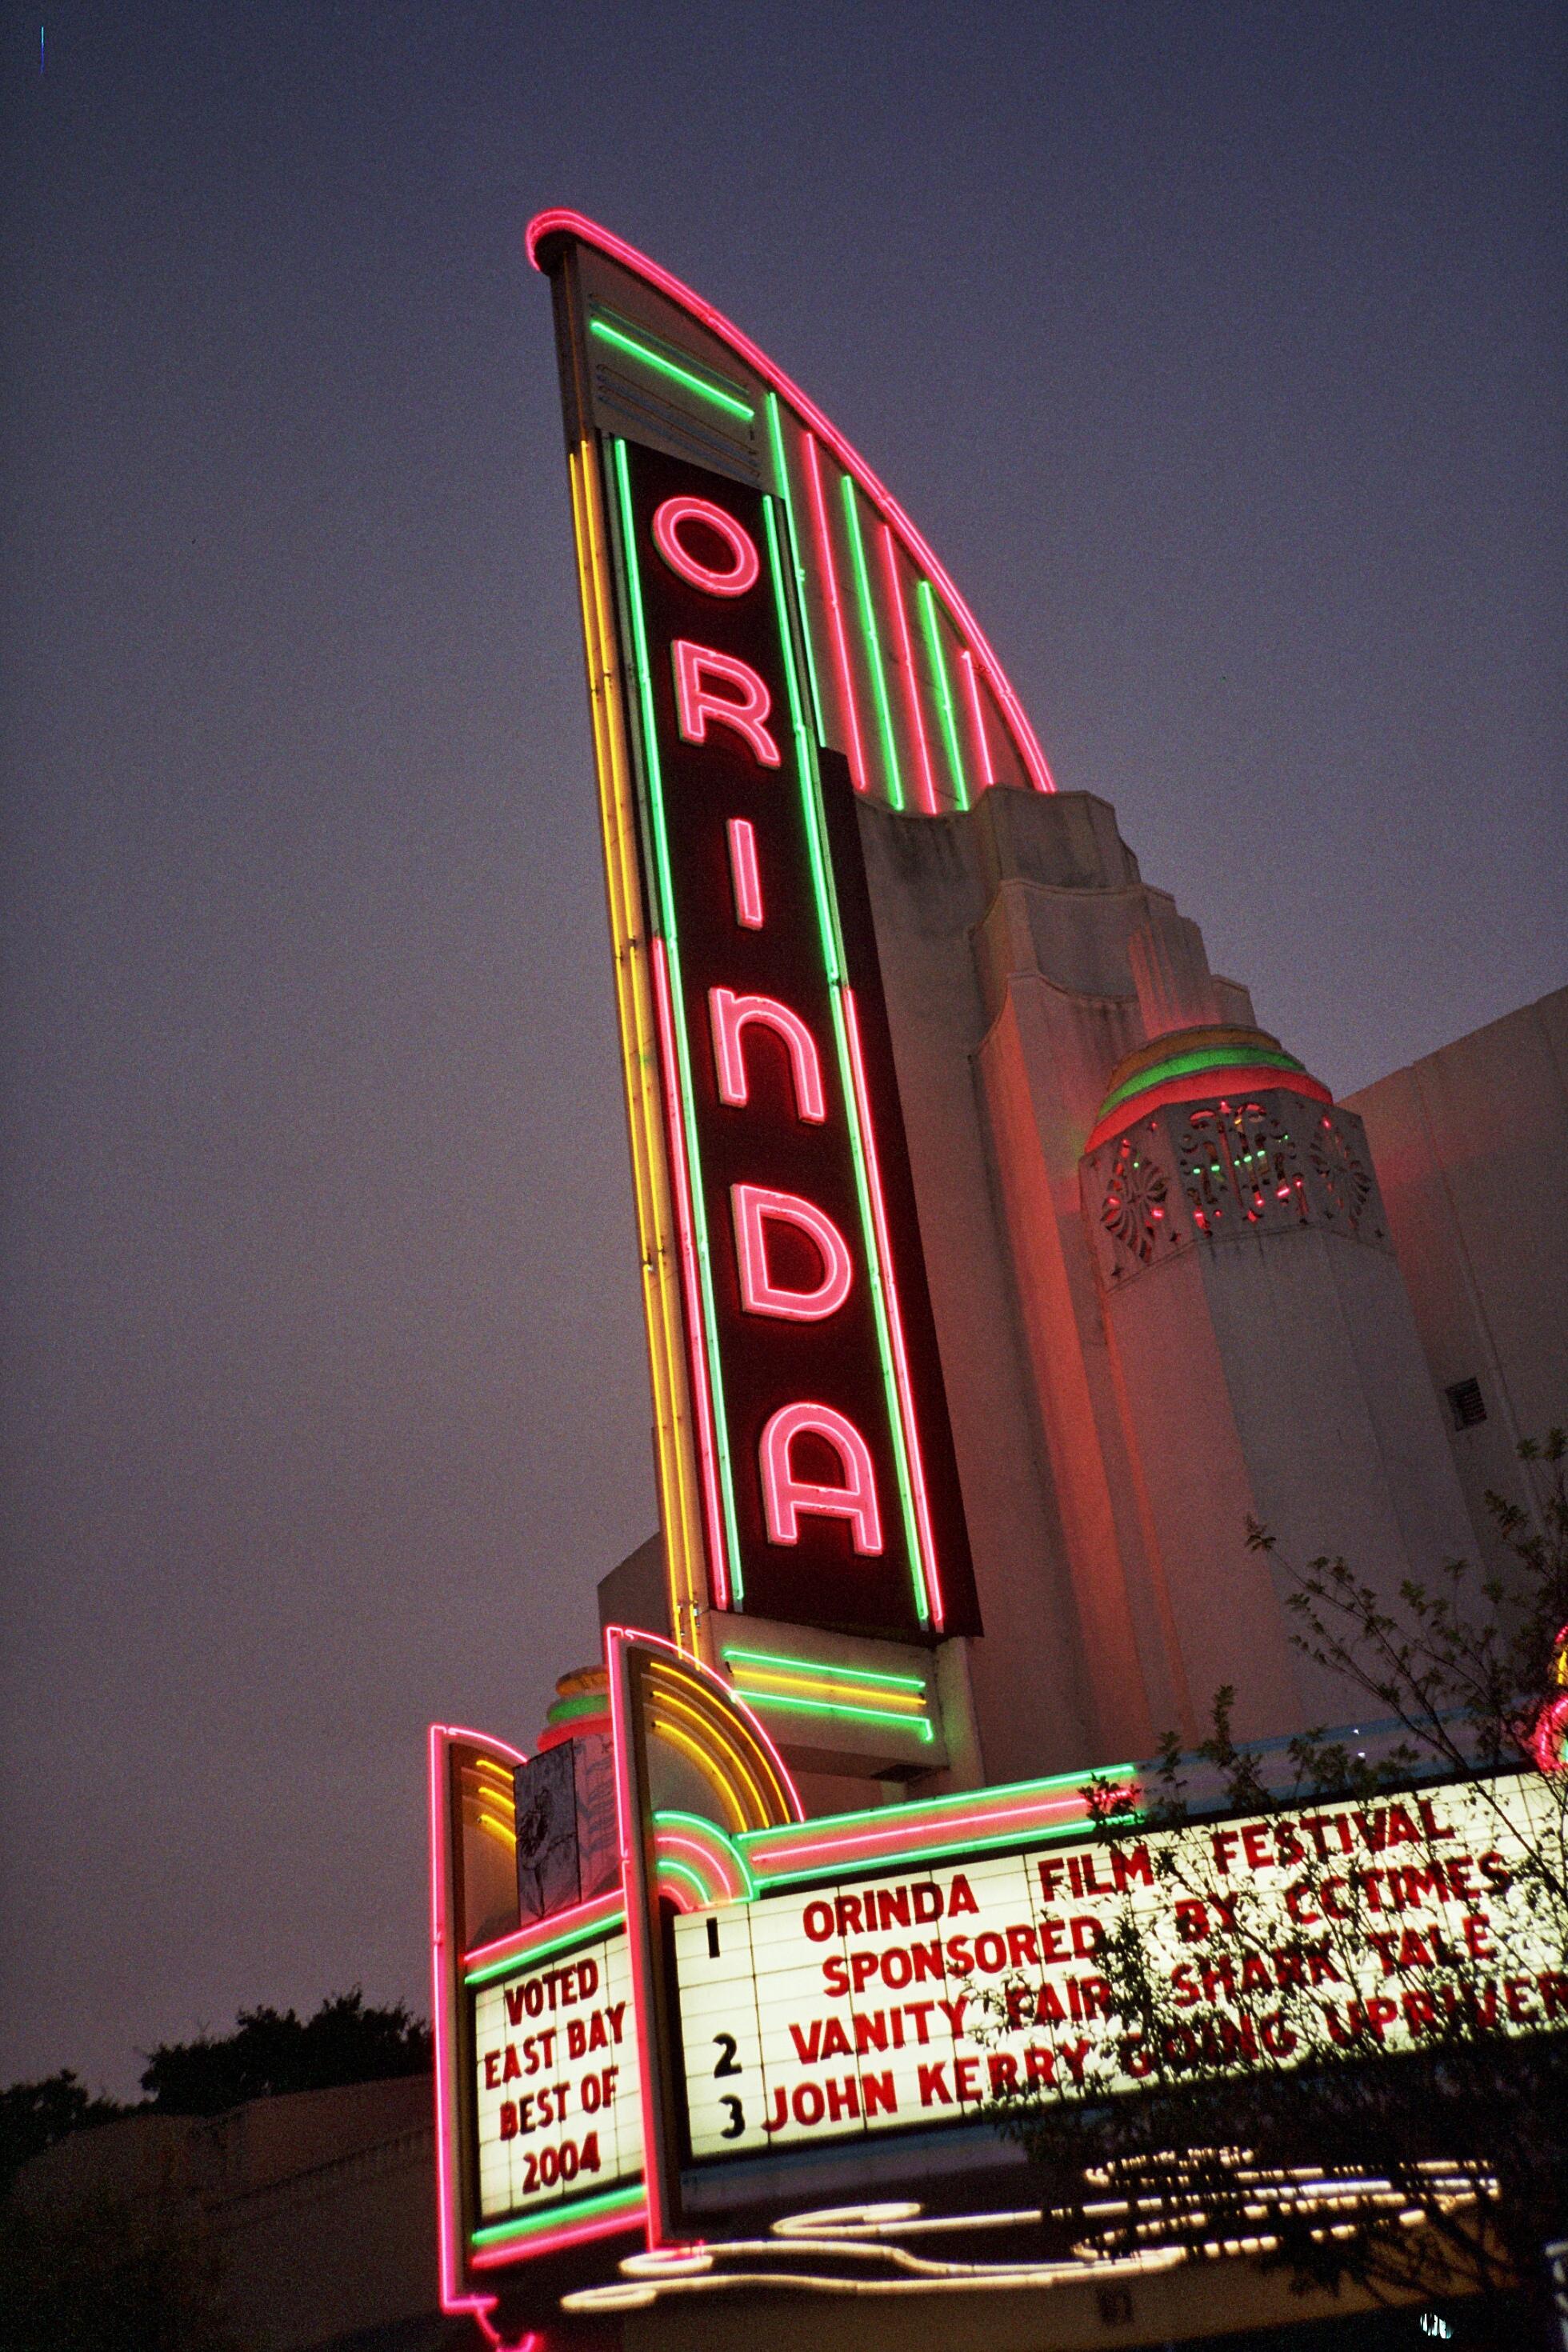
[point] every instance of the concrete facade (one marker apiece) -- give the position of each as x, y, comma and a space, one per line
1471, 1145
1115, 1438
1145, 1345
303, 2223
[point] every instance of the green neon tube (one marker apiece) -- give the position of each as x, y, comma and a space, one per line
944, 691
705, 1895
558, 2217
935, 1850
567, 1710
517, 1961
1209, 1057
781, 468
828, 923
873, 644
677, 1017
889, 1816
652, 359
810, 1666
670, 1816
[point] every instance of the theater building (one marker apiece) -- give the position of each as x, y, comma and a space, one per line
999, 1267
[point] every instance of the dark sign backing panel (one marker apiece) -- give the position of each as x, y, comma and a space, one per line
782, 1076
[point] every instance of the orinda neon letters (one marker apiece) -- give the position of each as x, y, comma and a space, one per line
697, 703
731, 1015
756, 1207
787, 1494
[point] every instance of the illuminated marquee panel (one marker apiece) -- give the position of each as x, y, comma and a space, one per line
863, 2005
806, 1460
557, 2100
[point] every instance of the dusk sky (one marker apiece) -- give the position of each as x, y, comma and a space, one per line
1220, 352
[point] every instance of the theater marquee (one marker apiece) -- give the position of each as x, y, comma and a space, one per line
647, 2024
865, 2005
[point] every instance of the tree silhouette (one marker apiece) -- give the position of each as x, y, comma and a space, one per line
272, 2051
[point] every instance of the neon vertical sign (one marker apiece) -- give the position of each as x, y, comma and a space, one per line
806, 1461
810, 1436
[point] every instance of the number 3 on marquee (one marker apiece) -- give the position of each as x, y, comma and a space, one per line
737, 2123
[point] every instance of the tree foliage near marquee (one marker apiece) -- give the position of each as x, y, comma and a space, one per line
1261, 2058
270, 2050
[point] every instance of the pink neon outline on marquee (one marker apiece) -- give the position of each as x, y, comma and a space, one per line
694, 705
663, 1837
443, 1736
628, 1827
666, 521
905, 1834
547, 2241
521, 1941
729, 1017
562, 221
907, 657
977, 719
744, 880
785, 1496
696, 1329
835, 612
750, 1205
895, 1320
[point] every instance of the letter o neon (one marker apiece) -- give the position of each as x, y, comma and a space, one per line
667, 523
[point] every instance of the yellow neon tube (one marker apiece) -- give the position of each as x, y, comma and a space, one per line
766, 1679
718, 1737
680, 1497
693, 1749
622, 886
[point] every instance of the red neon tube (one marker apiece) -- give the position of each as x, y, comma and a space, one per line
911, 683
836, 613
444, 1965
895, 1323
903, 1836
562, 222
976, 717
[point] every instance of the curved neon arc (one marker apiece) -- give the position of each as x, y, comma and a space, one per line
563, 222
690, 1834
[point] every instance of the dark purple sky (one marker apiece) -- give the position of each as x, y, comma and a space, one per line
1220, 352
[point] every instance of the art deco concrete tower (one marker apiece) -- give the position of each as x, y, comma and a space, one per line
1163, 1286
1263, 1358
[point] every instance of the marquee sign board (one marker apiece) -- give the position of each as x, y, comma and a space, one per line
662, 2056
556, 2103
807, 1466
862, 2005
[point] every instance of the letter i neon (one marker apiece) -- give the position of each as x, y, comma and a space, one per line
744, 878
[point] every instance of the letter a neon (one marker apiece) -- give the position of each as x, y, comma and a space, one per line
753, 1206
696, 703
785, 1496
